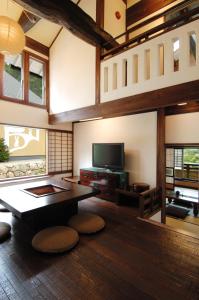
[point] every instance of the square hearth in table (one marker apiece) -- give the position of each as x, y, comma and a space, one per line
44, 203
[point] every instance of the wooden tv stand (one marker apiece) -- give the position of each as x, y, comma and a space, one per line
104, 180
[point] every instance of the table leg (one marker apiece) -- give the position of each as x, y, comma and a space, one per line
195, 209
169, 200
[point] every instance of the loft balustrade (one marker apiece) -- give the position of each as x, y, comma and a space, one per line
170, 58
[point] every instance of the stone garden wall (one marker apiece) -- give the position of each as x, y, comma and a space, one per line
22, 168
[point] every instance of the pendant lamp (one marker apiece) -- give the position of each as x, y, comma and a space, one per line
12, 38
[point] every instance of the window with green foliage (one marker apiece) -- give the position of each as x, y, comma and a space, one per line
36, 81
24, 78
13, 76
191, 156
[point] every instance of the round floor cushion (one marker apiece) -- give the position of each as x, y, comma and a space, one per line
86, 223
56, 239
3, 209
4, 231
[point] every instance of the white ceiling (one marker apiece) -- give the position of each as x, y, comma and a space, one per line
43, 32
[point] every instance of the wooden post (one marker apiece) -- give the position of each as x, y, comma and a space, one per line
160, 182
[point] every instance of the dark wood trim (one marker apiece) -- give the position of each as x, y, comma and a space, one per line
60, 172
189, 108
140, 103
143, 9
47, 87
97, 75
160, 169
36, 46
73, 132
180, 145
1, 74
56, 37
27, 20
17, 101
26, 76
100, 23
38, 57
153, 32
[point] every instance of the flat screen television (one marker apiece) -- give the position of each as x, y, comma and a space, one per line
108, 155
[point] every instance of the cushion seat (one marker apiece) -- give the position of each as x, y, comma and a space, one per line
4, 231
176, 211
87, 223
3, 209
56, 239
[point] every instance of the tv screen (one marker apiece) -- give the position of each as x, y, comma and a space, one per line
108, 155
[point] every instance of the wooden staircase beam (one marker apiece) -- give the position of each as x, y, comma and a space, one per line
68, 14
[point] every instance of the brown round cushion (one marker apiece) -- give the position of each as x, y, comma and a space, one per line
4, 231
3, 209
86, 223
55, 239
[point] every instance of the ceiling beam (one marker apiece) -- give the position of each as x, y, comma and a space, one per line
72, 17
143, 9
141, 103
27, 20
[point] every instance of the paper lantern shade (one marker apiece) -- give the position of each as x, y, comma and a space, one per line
12, 38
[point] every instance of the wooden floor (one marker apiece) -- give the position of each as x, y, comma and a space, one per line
129, 259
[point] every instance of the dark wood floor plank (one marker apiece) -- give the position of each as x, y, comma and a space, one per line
129, 259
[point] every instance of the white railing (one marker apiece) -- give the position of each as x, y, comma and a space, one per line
169, 59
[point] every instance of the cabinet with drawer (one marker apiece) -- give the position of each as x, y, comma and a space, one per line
104, 180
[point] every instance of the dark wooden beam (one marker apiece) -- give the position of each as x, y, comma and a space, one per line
72, 17
145, 102
30, 43
189, 108
100, 23
27, 20
160, 170
143, 9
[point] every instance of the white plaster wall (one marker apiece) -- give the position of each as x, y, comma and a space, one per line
72, 69
182, 128
138, 132
111, 24
19, 114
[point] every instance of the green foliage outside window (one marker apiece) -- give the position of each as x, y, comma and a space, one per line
13, 71
4, 151
191, 156
36, 81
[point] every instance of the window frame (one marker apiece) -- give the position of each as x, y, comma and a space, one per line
26, 55
48, 173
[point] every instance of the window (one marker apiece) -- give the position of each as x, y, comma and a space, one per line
24, 79
13, 76
27, 151
36, 81
182, 165
35, 151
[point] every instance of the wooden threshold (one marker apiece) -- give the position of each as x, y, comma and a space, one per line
145, 102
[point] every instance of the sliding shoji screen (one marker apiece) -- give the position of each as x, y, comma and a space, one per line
60, 151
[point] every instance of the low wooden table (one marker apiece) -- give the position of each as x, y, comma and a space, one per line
171, 195
49, 209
